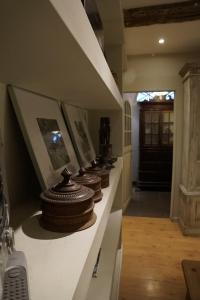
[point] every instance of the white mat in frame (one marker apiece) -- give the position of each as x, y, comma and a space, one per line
79, 133
45, 134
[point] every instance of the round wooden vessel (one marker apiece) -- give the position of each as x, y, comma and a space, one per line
90, 180
101, 172
68, 206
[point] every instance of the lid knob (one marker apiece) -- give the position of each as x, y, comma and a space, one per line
81, 171
66, 184
66, 176
94, 163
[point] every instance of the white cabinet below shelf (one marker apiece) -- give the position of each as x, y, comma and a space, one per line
60, 266
101, 286
117, 276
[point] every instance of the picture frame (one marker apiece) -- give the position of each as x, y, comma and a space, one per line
80, 135
45, 135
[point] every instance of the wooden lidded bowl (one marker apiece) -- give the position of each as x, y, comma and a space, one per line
90, 180
101, 172
68, 206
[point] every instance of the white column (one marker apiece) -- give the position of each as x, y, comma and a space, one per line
190, 187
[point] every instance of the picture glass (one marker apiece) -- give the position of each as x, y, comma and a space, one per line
53, 140
78, 128
84, 142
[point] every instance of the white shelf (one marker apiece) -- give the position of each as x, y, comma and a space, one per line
60, 266
104, 281
51, 49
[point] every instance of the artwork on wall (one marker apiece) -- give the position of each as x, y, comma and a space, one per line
45, 134
80, 134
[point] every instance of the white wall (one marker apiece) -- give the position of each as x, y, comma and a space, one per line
162, 73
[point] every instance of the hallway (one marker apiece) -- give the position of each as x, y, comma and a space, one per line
154, 204
152, 252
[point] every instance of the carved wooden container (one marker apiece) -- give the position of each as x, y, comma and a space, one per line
101, 172
68, 206
90, 180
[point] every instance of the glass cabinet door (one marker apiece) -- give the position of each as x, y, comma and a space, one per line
151, 128
167, 128
158, 128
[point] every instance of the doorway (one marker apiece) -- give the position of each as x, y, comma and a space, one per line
152, 140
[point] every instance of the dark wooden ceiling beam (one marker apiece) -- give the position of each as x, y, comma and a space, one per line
162, 14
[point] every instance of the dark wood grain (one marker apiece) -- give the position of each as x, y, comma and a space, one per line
162, 14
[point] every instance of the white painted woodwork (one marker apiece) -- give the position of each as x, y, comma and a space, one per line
108, 259
127, 179
116, 276
190, 187
60, 266
50, 48
128, 158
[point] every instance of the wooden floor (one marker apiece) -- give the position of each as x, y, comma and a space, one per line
152, 252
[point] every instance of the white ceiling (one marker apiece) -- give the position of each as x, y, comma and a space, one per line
180, 37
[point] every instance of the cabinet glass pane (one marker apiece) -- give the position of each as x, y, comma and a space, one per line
129, 140
125, 122
126, 139
171, 128
165, 116
129, 123
147, 117
171, 139
171, 116
155, 140
147, 139
155, 128
165, 138
165, 128
147, 128
155, 117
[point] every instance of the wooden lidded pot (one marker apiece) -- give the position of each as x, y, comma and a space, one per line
101, 172
90, 180
68, 206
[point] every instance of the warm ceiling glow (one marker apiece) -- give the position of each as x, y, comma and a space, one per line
161, 41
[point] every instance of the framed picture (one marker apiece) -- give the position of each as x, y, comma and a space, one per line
80, 134
45, 134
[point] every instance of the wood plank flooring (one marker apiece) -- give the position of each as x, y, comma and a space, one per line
152, 252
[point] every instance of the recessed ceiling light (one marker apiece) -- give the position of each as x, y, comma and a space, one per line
161, 41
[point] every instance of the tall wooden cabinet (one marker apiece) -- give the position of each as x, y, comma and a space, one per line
156, 142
